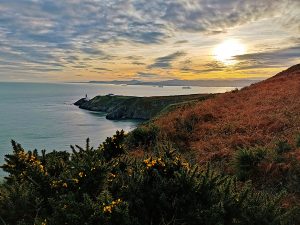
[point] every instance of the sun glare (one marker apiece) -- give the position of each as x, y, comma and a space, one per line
225, 51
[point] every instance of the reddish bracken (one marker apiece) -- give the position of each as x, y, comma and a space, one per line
256, 115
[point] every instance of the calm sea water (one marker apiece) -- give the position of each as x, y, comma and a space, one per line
42, 116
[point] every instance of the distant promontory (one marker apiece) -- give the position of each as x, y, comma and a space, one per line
120, 107
178, 82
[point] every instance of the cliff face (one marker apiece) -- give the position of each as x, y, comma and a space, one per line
128, 107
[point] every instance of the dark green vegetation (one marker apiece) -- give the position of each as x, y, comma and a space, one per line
107, 185
129, 107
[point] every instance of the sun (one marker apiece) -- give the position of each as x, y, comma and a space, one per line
225, 51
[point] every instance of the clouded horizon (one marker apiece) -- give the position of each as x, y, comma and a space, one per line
81, 40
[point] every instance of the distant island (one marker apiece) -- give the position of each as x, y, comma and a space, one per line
186, 83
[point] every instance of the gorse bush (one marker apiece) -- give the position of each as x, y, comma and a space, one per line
283, 146
143, 136
113, 146
107, 186
246, 161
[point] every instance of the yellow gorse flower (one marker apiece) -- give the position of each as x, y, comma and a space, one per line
32, 160
76, 181
55, 183
111, 176
153, 162
81, 174
109, 208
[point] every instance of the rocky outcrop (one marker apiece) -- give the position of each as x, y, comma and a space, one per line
80, 102
105, 103
128, 107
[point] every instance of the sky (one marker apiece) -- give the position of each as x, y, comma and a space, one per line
82, 40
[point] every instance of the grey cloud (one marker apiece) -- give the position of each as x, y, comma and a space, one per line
131, 57
213, 16
101, 69
213, 66
165, 62
92, 51
138, 63
146, 75
269, 59
290, 52
181, 42
47, 30
80, 66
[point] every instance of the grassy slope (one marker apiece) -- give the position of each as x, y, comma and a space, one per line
128, 107
148, 107
257, 115
104, 103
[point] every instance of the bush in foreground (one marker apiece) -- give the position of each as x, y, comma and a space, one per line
246, 161
106, 186
143, 136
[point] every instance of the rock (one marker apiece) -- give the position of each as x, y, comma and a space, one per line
80, 102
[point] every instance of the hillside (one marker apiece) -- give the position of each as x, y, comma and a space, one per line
157, 173
129, 107
258, 115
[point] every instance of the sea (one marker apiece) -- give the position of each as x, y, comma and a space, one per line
42, 115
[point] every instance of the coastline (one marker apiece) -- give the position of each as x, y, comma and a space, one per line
119, 107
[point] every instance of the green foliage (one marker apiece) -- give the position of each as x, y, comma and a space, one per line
19, 203
283, 146
107, 186
113, 146
246, 161
143, 136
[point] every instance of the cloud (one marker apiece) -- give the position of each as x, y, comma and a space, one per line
181, 42
213, 66
138, 63
269, 59
49, 33
147, 75
92, 51
213, 16
101, 69
165, 62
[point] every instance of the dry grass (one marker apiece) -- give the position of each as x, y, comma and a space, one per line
257, 115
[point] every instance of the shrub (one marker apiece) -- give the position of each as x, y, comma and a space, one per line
19, 203
283, 146
114, 146
87, 187
165, 189
188, 123
246, 161
143, 136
